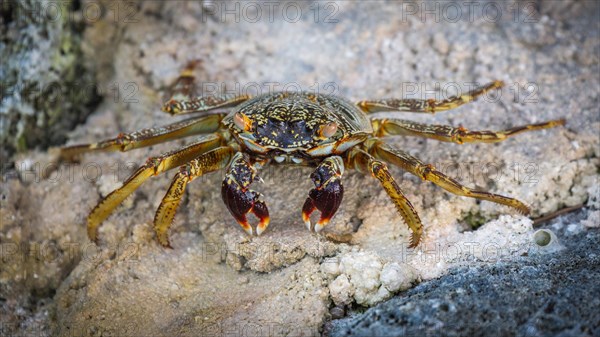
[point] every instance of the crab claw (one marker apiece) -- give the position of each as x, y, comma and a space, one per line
327, 194
240, 200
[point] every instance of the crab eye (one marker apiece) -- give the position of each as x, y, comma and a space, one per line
328, 130
173, 107
242, 122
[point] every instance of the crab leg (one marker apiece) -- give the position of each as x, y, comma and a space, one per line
364, 163
427, 172
183, 99
239, 199
183, 105
205, 163
426, 105
153, 166
146, 137
458, 135
327, 194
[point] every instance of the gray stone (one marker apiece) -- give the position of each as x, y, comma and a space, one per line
47, 86
555, 294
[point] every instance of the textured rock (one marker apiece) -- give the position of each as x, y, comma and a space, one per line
341, 290
47, 86
395, 277
287, 279
535, 295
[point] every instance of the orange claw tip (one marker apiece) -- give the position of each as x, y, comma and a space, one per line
306, 221
246, 227
262, 226
321, 224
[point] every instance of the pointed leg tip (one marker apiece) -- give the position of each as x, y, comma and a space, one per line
414, 241
163, 240
498, 84
552, 124
93, 236
522, 208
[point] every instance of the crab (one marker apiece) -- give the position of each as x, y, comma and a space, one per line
243, 134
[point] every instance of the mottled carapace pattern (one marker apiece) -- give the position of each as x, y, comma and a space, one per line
291, 123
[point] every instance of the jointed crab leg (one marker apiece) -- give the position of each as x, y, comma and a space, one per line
183, 105
240, 199
426, 105
185, 100
327, 194
205, 163
427, 172
147, 137
447, 133
365, 163
153, 166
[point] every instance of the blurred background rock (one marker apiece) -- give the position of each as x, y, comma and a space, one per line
47, 84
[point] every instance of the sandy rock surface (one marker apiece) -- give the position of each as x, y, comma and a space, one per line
289, 281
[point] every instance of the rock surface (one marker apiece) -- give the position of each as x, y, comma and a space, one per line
46, 85
539, 294
288, 281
